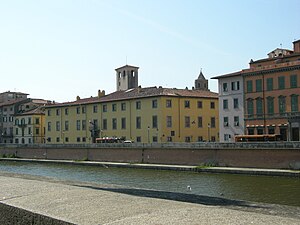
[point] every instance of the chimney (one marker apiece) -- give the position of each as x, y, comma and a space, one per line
77, 98
101, 93
296, 46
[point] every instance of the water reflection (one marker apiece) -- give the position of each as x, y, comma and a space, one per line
279, 190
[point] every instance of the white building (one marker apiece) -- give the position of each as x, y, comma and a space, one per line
231, 106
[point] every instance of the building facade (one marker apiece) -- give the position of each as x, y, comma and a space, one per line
29, 126
10, 103
272, 89
144, 115
231, 106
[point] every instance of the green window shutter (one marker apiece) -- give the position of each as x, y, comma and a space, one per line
281, 83
269, 84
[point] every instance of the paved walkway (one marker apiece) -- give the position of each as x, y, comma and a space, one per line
89, 203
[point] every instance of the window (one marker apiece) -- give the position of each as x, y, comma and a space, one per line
236, 103
270, 105
258, 85
225, 121
249, 86
37, 131
66, 139
123, 106
138, 105
236, 121
281, 83
57, 126
250, 108
104, 108
271, 130
49, 112
227, 137
235, 85
169, 103
154, 139
138, 122
83, 122
154, 104
200, 121
57, 112
225, 103
139, 139
186, 104
78, 110
212, 105
95, 109
114, 107
269, 84
187, 122
17, 131
172, 133
49, 126
259, 107
66, 125
66, 111
225, 87
281, 104
57, 139
104, 124
114, 123
37, 120
78, 139
77, 124
293, 81
212, 122
294, 103
83, 109
199, 104
260, 131
250, 131
154, 121
188, 139
169, 121
123, 123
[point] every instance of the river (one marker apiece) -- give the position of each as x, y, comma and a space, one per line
264, 189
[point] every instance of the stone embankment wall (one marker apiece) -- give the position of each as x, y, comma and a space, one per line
262, 155
12, 215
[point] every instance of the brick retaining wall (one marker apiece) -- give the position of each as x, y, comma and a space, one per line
279, 158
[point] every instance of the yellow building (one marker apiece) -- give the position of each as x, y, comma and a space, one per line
29, 127
143, 115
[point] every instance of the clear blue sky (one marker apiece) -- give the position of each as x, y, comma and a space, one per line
58, 49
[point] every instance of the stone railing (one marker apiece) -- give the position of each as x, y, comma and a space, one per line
195, 145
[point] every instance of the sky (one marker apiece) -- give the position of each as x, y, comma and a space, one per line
59, 49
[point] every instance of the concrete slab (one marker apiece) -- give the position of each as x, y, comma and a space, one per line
89, 203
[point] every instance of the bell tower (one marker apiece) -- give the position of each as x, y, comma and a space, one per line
201, 83
127, 77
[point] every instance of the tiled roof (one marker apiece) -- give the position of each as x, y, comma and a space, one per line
137, 93
7, 103
37, 111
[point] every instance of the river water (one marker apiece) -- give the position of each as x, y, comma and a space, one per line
277, 190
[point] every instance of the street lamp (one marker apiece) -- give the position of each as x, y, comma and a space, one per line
208, 131
148, 134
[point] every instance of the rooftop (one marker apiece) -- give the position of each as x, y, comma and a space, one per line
139, 92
